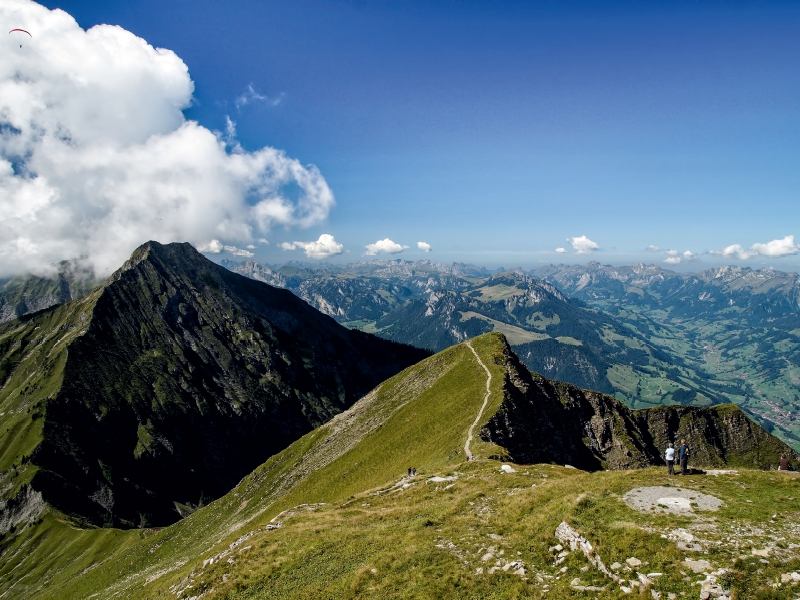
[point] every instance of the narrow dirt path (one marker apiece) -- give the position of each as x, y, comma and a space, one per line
485, 401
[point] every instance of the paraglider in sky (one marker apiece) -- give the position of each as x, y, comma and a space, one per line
20, 30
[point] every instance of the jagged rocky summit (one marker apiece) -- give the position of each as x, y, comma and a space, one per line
163, 387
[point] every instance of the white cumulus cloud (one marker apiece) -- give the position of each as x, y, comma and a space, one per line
774, 249
385, 245
96, 156
783, 247
212, 247
561, 250
424, 246
215, 247
239, 251
674, 257
583, 245
324, 247
652, 248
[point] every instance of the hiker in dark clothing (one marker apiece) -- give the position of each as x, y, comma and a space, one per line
785, 465
683, 454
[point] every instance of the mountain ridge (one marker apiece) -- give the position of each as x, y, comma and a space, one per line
174, 379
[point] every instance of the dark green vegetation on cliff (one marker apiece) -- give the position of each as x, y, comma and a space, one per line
161, 389
316, 519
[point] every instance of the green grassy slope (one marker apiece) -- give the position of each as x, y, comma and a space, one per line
317, 518
430, 540
417, 419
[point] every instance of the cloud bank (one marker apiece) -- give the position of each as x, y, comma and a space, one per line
424, 246
773, 249
324, 247
385, 245
96, 156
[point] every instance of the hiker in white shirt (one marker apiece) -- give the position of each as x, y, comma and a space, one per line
669, 454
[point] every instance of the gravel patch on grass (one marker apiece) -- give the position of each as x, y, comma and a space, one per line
679, 501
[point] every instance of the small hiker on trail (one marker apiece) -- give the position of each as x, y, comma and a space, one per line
669, 455
414, 471
409, 471
684, 457
785, 465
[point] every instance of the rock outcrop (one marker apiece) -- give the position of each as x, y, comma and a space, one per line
541, 420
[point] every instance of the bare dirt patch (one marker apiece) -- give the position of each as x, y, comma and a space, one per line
673, 500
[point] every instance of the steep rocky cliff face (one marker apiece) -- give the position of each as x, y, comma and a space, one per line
176, 379
541, 420
720, 435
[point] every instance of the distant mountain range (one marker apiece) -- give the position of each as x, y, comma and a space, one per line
647, 335
739, 328
160, 389
23, 294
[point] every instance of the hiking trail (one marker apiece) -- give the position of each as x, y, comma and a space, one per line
485, 401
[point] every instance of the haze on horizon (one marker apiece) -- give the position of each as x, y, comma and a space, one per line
494, 133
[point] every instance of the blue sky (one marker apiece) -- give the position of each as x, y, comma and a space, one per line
495, 131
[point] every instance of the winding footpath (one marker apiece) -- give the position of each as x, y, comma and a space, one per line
485, 401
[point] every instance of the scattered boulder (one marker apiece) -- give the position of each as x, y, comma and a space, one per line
568, 535
697, 566
711, 587
438, 479
633, 562
689, 546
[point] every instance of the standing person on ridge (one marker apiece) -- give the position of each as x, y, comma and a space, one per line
684, 457
669, 455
